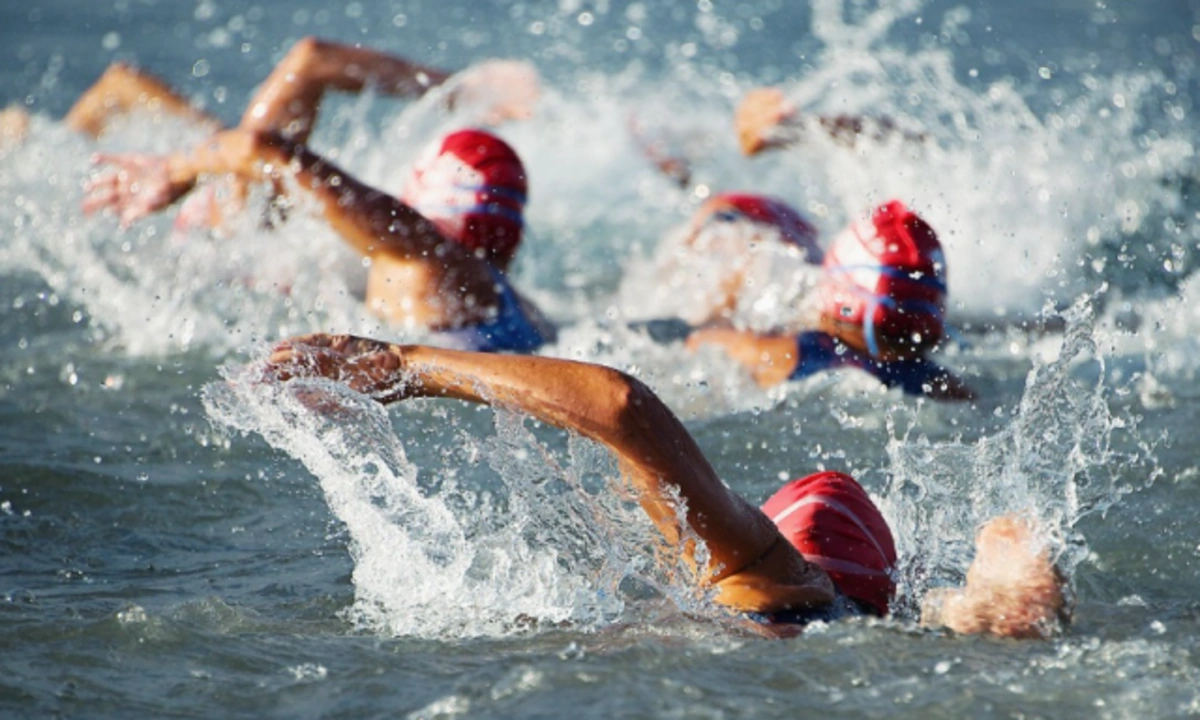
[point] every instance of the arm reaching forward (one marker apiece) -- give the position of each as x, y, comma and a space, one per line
288, 100
751, 566
766, 120
1012, 590
370, 220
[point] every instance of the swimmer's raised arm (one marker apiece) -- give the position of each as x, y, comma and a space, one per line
122, 89
766, 120
370, 220
288, 100
750, 564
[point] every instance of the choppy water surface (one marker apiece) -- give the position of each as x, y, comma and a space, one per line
179, 542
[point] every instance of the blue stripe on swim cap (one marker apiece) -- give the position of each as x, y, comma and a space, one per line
869, 326
928, 280
497, 190
492, 209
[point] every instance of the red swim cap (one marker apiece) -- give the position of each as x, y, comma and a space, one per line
472, 186
831, 521
884, 284
766, 211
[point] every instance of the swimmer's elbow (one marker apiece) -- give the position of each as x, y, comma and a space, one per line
621, 404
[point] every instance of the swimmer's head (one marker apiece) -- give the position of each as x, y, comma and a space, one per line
726, 209
834, 524
472, 186
883, 289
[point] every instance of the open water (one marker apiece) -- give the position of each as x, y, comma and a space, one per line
177, 543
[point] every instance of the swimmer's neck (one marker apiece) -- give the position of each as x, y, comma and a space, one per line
417, 293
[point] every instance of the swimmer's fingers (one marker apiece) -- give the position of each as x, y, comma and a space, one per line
758, 117
371, 367
349, 345
99, 194
136, 186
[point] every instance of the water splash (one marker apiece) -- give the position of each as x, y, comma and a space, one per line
1056, 462
1034, 191
507, 534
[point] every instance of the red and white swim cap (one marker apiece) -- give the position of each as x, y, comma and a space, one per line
472, 186
765, 210
830, 519
884, 284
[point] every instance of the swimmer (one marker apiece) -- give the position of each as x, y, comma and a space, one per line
818, 549
439, 254
882, 303
289, 100
709, 271
765, 120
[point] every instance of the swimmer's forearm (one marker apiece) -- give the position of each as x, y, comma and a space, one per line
353, 69
369, 220
658, 454
770, 358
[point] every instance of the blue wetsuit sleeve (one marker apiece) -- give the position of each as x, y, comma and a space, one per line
815, 352
911, 376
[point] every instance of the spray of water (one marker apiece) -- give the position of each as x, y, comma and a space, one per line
1055, 463
1030, 205
509, 533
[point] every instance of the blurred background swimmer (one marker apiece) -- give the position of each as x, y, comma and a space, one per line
740, 259
438, 255
748, 274
819, 549
881, 301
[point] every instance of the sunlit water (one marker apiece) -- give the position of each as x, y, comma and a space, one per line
182, 542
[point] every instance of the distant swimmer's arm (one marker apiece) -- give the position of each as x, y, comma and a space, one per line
122, 89
675, 167
750, 564
766, 120
288, 100
1013, 589
770, 358
368, 219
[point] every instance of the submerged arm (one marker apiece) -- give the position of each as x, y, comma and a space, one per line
770, 358
750, 563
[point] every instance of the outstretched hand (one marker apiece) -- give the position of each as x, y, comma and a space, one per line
136, 185
500, 90
14, 126
371, 367
758, 119
1013, 588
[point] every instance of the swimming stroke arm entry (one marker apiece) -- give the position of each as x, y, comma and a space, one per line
288, 100
1012, 588
766, 120
769, 358
370, 220
750, 565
